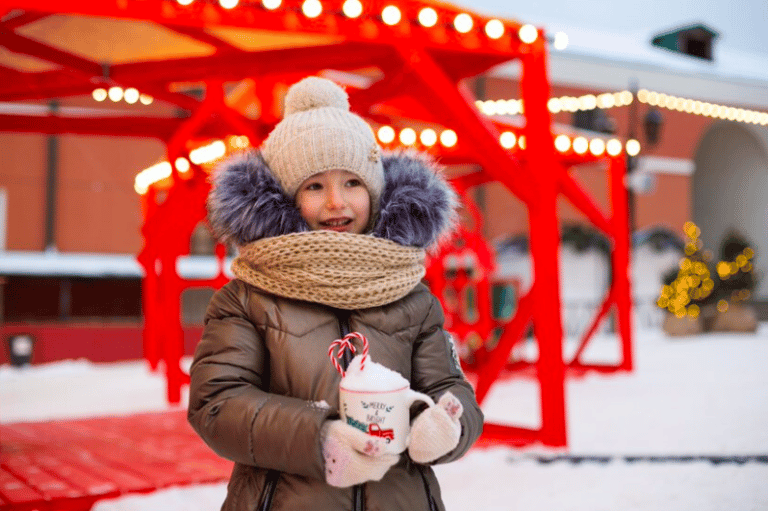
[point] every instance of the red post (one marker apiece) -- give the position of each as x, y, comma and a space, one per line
545, 242
620, 258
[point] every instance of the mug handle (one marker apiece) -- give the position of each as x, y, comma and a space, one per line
414, 396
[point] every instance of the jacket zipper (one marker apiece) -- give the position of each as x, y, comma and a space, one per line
270, 483
430, 498
358, 491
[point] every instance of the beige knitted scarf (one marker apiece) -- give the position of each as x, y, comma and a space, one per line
342, 270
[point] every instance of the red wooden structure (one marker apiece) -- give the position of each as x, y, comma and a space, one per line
405, 71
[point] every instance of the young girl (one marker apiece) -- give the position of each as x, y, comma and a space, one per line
332, 237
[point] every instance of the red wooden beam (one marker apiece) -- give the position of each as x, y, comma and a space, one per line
26, 46
19, 19
152, 127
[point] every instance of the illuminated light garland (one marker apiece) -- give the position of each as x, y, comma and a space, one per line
146, 99
597, 146
613, 147
228, 4
271, 5
580, 145
703, 108
99, 94
182, 165
184, 2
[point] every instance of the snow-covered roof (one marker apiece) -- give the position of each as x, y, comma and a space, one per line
610, 45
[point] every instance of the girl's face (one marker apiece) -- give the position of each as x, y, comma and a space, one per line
335, 200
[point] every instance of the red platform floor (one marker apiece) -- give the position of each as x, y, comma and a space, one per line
69, 465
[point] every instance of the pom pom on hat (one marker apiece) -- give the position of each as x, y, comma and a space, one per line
314, 92
319, 133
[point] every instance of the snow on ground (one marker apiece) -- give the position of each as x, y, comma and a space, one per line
703, 395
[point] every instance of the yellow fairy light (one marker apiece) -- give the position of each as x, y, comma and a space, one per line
597, 146
408, 136
428, 137
391, 15
748, 253
386, 134
508, 140
741, 260
633, 147
115, 93
99, 94
580, 145
428, 17
448, 138
528, 33
554, 105
613, 147
562, 143
463, 23
312, 8
561, 41
131, 95
182, 165
146, 99
352, 8
685, 264
722, 306
694, 311
494, 29
723, 269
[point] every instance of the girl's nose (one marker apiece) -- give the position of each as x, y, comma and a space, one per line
335, 197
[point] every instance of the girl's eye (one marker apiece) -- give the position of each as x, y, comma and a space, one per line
354, 182
313, 186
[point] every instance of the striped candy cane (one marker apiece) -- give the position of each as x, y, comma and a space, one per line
346, 344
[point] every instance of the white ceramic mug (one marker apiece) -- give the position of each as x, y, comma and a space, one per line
383, 413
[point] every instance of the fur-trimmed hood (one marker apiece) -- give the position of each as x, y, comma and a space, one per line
416, 209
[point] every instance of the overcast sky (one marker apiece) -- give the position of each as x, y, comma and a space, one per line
742, 24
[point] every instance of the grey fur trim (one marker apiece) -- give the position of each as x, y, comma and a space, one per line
418, 207
246, 203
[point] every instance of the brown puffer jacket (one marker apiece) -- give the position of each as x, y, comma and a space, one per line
260, 376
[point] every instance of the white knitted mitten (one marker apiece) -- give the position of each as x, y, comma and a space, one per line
351, 456
436, 431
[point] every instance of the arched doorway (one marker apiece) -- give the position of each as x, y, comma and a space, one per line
730, 189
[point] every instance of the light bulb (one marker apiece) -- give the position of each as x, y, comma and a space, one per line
391, 15
352, 8
508, 140
562, 143
428, 137
228, 4
386, 134
561, 41
448, 138
312, 8
463, 23
428, 17
494, 29
528, 34
408, 136
115, 94
99, 94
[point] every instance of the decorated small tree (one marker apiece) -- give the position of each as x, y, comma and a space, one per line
689, 288
736, 284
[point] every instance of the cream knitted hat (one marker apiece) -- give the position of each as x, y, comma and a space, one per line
319, 133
